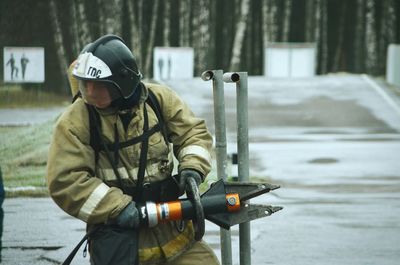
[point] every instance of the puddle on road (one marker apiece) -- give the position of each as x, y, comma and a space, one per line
47, 248
385, 185
323, 160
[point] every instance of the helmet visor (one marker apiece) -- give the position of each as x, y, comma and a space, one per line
99, 93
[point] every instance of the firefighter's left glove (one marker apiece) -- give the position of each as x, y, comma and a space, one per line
129, 217
184, 177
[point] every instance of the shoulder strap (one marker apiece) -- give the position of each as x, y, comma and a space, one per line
155, 105
95, 139
142, 158
97, 142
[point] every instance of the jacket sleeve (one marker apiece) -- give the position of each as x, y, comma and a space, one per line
71, 177
189, 135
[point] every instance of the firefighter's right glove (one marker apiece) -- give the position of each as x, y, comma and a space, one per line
184, 177
129, 217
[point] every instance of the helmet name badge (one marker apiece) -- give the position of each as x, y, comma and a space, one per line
89, 67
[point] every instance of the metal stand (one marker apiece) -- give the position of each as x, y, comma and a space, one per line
220, 145
240, 78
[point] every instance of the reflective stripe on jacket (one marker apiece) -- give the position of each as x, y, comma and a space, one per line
90, 191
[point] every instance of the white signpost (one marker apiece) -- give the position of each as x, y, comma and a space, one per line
23, 64
289, 60
173, 63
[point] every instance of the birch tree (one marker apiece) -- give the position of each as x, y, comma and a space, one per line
200, 34
391, 16
212, 32
151, 41
266, 26
58, 41
340, 35
387, 32
270, 21
134, 30
255, 44
310, 17
166, 23
140, 31
184, 23
359, 37
73, 29
83, 25
321, 37
112, 17
101, 23
371, 38
286, 20
239, 36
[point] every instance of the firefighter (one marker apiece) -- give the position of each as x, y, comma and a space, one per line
102, 179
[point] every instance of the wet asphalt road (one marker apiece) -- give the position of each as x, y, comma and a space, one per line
332, 143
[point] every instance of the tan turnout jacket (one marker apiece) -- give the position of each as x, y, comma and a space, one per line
90, 191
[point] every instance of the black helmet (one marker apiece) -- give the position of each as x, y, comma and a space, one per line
109, 60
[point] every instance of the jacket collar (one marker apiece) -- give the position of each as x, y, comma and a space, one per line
114, 110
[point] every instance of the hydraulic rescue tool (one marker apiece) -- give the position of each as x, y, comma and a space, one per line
224, 204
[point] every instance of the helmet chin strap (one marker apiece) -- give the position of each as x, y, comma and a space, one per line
123, 104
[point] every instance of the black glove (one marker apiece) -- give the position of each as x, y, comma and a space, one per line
129, 217
185, 175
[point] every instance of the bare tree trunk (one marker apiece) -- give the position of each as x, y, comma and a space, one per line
310, 21
102, 17
73, 29
256, 44
274, 22
239, 36
269, 21
359, 37
184, 23
387, 31
212, 50
149, 54
59, 43
253, 40
140, 32
321, 37
83, 28
224, 35
266, 26
324, 37
371, 38
134, 31
166, 24
112, 17
286, 20
391, 26
201, 34
317, 31
340, 35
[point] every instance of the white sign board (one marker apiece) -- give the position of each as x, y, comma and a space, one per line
393, 65
173, 63
289, 60
23, 64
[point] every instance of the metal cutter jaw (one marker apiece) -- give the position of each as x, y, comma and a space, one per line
247, 211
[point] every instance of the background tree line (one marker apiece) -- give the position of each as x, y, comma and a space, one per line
351, 35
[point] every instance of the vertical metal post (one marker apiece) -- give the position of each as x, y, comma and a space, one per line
240, 79
220, 146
